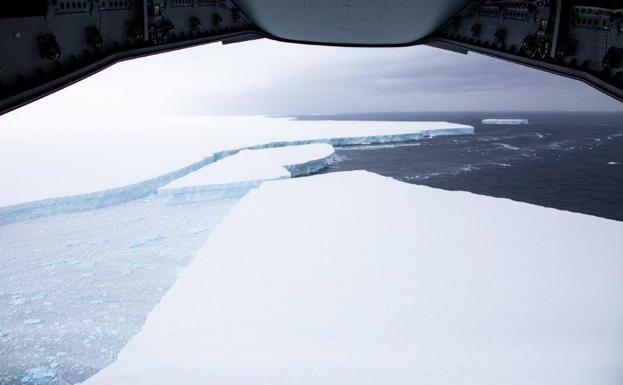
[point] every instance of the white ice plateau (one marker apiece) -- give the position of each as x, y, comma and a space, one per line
354, 278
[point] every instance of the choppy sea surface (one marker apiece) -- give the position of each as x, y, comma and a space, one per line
565, 160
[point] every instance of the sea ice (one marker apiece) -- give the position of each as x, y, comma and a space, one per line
18, 300
39, 375
75, 302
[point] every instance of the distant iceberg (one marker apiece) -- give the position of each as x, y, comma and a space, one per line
505, 121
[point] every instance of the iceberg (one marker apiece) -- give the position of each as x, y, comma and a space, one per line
152, 163
505, 121
354, 278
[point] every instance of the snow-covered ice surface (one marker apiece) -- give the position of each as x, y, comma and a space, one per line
353, 278
74, 288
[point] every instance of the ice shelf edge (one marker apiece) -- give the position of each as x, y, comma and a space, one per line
114, 196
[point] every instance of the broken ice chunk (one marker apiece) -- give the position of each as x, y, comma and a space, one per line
18, 300
39, 375
140, 241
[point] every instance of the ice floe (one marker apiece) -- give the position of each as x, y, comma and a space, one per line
38, 375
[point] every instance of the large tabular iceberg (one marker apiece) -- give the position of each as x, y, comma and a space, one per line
82, 168
353, 278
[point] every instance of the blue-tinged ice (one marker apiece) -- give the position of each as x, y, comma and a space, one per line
144, 239
115, 196
65, 312
505, 121
39, 375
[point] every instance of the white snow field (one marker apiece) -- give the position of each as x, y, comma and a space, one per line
354, 278
52, 168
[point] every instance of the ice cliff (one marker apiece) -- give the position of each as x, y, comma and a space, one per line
113, 196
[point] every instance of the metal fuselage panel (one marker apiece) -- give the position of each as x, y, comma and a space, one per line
350, 22
48, 44
41, 53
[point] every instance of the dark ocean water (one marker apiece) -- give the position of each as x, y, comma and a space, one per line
566, 160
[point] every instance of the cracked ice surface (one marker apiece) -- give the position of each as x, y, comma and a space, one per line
263, 164
75, 287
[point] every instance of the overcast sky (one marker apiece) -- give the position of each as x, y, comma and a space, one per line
265, 77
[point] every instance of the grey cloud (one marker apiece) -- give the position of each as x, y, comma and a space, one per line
409, 78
